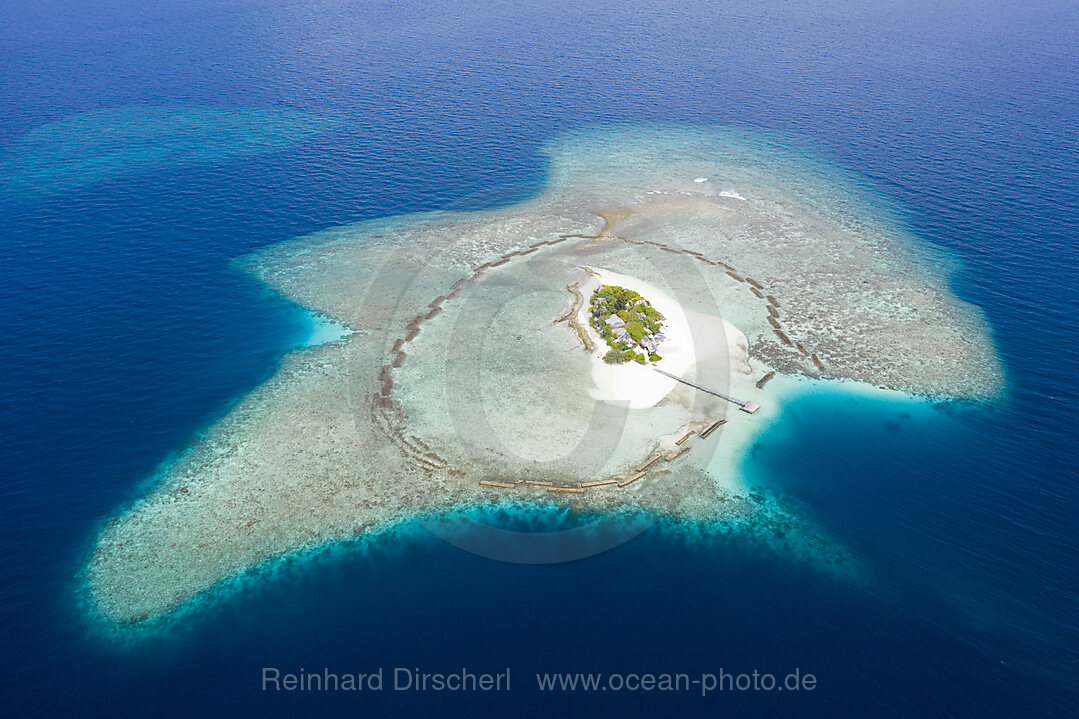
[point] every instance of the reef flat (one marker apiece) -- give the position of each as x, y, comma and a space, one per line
464, 381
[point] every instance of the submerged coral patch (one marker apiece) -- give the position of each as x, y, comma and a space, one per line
99, 145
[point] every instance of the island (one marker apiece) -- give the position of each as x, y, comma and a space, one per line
474, 373
626, 321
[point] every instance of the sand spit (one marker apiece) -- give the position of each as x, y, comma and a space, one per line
465, 381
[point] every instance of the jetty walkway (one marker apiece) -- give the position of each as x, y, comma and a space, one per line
745, 406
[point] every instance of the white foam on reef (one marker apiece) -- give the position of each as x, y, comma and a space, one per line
101, 144
464, 365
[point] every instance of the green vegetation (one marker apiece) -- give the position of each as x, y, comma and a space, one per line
617, 356
637, 326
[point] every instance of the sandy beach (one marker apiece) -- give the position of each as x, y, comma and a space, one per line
691, 338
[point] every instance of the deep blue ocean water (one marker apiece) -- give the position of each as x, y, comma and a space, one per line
126, 332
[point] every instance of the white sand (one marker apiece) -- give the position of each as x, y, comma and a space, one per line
692, 338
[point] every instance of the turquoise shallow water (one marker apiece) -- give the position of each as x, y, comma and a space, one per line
132, 333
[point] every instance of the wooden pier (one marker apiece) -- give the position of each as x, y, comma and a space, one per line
745, 406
